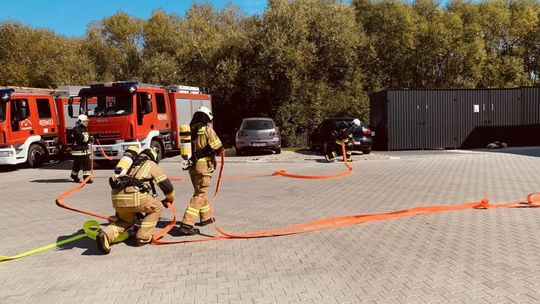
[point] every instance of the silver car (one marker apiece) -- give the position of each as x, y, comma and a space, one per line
257, 134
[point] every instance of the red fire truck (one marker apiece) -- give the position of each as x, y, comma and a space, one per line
129, 113
33, 124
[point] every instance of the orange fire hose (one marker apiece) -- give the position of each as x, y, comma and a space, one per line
532, 201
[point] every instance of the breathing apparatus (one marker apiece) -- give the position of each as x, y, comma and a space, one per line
185, 144
128, 158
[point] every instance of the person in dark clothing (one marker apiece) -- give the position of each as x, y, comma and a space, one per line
81, 150
343, 134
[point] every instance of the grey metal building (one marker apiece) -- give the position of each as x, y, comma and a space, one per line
450, 119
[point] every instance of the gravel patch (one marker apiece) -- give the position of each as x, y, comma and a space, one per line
299, 156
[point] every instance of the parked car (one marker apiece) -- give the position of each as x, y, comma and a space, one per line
258, 134
321, 137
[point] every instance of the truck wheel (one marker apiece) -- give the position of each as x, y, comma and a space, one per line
366, 151
157, 147
36, 156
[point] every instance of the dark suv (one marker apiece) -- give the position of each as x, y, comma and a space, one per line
320, 136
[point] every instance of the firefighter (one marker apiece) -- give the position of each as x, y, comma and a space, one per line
343, 134
205, 145
81, 151
133, 195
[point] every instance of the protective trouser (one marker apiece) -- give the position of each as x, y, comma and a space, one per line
81, 161
198, 205
150, 207
348, 150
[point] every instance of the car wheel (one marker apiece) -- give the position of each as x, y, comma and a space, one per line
154, 144
278, 151
366, 151
36, 156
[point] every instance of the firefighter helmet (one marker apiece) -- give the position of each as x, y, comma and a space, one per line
206, 111
82, 118
356, 122
150, 153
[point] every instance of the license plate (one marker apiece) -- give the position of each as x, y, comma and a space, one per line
258, 144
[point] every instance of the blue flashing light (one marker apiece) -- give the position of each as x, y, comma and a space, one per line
5, 94
119, 84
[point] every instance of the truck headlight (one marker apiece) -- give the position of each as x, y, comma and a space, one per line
6, 153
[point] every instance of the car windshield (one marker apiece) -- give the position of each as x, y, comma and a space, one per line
258, 124
109, 105
2, 111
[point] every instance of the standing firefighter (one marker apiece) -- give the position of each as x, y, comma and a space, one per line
343, 134
206, 145
81, 151
133, 193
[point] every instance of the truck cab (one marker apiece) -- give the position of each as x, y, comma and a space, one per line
29, 127
129, 113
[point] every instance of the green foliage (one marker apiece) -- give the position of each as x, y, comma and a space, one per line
299, 62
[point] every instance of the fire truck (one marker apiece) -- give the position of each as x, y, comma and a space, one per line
34, 124
129, 113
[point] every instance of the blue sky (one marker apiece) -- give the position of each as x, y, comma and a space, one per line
71, 17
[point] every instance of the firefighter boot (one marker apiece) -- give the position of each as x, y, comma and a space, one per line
185, 229
103, 243
89, 181
206, 222
75, 178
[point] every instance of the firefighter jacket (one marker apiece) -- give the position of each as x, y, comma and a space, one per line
343, 134
81, 140
206, 145
134, 189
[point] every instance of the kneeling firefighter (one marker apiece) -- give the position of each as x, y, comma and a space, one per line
132, 182
343, 134
206, 145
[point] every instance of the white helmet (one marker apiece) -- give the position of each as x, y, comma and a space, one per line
206, 111
82, 118
356, 122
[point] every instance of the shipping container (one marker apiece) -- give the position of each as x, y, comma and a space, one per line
450, 119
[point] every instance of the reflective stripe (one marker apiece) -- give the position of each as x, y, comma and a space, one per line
85, 137
192, 211
201, 131
205, 209
135, 196
80, 153
86, 173
146, 168
161, 178
148, 224
215, 144
204, 159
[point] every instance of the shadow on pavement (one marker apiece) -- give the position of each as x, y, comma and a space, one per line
52, 181
84, 243
524, 151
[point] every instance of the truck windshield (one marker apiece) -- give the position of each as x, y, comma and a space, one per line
2, 111
109, 105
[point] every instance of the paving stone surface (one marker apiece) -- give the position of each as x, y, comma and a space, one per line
470, 256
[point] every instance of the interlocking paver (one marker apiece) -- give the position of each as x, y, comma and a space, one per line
472, 256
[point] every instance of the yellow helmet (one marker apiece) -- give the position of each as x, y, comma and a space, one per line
151, 154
